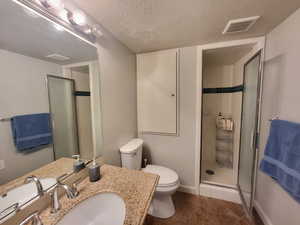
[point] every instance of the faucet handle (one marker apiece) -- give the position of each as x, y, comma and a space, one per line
74, 187
34, 217
55, 204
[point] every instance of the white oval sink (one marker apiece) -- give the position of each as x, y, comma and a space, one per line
21, 195
105, 208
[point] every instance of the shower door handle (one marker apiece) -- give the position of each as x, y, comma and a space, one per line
252, 139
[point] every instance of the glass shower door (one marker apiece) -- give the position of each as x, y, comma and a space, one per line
63, 115
249, 125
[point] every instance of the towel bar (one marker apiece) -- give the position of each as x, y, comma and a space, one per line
5, 119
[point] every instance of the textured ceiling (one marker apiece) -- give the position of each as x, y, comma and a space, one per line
24, 33
146, 25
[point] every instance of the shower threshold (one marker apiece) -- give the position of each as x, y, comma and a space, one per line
215, 174
220, 184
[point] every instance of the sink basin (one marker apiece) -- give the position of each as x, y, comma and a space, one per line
21, 195
105, 208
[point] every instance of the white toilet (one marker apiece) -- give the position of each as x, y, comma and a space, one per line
162, 204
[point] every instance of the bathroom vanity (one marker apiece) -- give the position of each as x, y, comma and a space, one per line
120, 195
23, 195
136, 188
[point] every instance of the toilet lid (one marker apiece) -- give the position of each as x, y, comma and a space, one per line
167, 177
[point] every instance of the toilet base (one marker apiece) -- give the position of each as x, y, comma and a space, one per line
162, 206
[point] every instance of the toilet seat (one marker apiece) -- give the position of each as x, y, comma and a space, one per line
171, 189
167, 178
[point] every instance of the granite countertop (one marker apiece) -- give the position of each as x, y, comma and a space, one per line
135, 187
53, 169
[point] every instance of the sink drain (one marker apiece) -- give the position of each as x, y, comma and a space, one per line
210, 172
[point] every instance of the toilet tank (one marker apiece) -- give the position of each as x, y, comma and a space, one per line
131, 154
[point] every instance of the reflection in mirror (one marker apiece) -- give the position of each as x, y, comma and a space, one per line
45, 102
64, 118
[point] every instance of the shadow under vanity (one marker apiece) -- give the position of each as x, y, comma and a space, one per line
50, 127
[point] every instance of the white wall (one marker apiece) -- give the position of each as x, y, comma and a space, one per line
22, 91
118, 96
214, 75
178, 153
280, 97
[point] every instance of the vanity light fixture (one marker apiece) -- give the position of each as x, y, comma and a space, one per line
73, 21
53, 4
88, 30
97, 31
63, 14
77, 18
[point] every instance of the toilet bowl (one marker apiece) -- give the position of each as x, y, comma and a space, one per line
162, 205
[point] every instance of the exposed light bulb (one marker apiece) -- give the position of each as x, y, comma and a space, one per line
63, 14
97, 32
78, 18
87, 30
57, 4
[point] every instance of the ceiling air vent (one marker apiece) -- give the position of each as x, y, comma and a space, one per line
58, 57
240, 25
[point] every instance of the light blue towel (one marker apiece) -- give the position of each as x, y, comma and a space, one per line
282, 156
31, 131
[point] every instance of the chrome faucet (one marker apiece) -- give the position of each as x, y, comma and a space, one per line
37, 182
34, 218
71, 192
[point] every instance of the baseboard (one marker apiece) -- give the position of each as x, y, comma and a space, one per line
223, 193
266, 220
187, 189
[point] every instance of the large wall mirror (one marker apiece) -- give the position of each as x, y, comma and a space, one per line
47, 100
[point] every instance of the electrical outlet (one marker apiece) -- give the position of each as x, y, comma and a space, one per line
2, 164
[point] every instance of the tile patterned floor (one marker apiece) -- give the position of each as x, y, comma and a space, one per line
198, 210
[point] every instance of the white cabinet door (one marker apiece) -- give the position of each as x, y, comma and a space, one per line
157, 92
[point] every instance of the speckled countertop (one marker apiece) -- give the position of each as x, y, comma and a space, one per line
53, 169
135, 187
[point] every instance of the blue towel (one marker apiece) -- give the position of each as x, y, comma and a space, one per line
282, 156
31, 131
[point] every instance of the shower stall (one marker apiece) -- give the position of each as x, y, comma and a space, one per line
230, 117
70, 108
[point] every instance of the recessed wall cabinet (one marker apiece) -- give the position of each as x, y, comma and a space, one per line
157, 92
